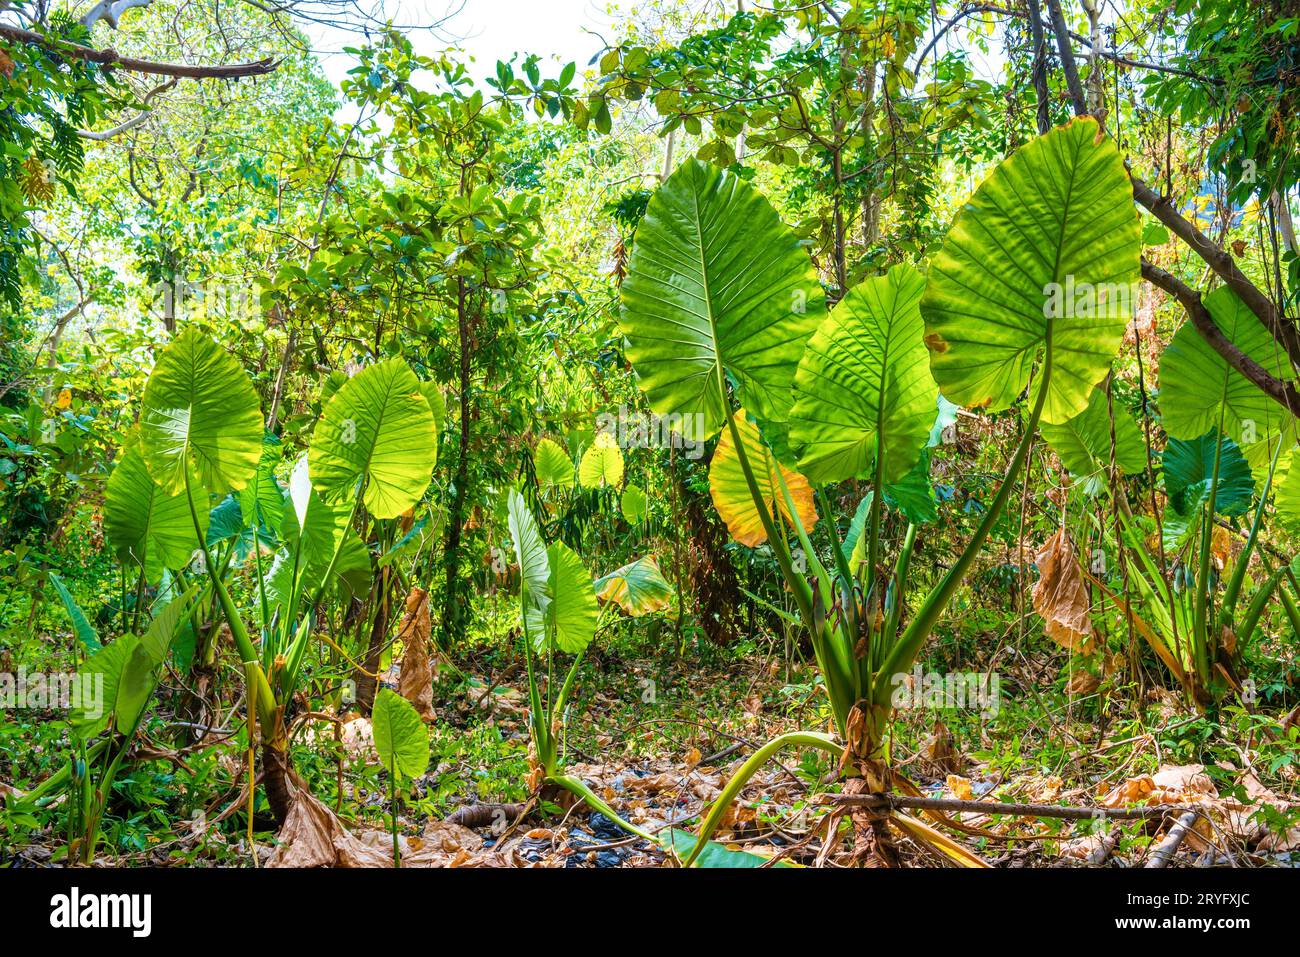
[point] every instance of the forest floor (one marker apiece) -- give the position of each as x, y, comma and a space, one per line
674, 730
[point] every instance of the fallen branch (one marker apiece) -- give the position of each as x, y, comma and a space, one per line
897, 801
1164, 852
110, 58
485, 815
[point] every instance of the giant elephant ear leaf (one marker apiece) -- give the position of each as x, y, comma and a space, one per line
572, 611
730, 490
1286, 497
200, 411
1189, 474
261, 504
1083, 443
314, 531
401, 739
716, 278
101, 672
638, 588
377, 428
148, 528
1197, 385
139, 675
530, 549
1043, 259
602, 463
864, 383
552, 465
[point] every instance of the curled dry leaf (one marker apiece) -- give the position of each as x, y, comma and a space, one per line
416, 681
939, 752
1060, 596
960, 787
1082, 682
1172, 784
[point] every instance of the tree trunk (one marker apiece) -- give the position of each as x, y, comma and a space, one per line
452, 613
713, 580
366, 680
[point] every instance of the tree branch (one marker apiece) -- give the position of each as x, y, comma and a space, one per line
110, 11
110, 58
134, 121
1279, 390
1221, 261
1066, 54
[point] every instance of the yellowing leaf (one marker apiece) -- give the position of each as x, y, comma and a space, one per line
638, 588
602, 463
730, 491
960, 787
64, 399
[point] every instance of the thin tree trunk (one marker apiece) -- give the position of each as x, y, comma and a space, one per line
452, 615
366, 680
1038, 71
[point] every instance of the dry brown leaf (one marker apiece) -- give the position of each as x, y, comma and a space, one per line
654, 783
1187, 779
1060, 596
693, 757
1172, 784
1082, 682
1048, 789
939, 751
416, 681
1223, 546
1129, 792
313, 836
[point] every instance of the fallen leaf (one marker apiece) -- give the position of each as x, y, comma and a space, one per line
960, 787
313, 836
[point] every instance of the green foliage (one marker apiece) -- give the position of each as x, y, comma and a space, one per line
400, 737
863, 386
1196, 470
1199, 391
199, 412
1084, 442
376, 440
716, 278
1043, 259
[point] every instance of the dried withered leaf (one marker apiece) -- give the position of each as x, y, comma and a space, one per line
313, 836
960, 787
416, 681
1082, 682
1060, 596
941, 753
